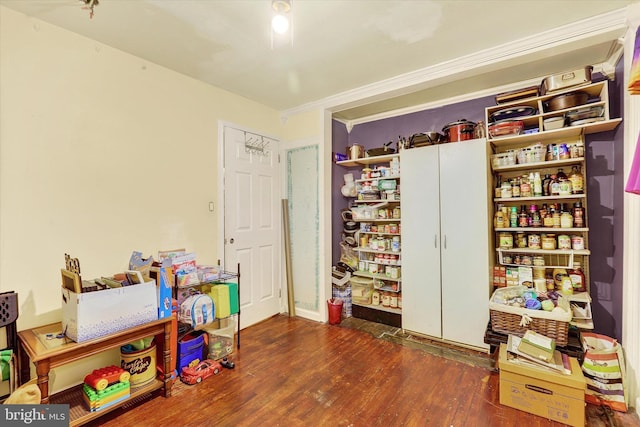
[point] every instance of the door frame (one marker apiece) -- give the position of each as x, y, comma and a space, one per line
221, 208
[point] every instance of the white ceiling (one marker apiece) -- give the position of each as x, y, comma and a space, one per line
338, 45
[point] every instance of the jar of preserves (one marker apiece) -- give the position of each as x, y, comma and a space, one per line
386, 298
393, 300
566, 219
564, 242
548, 241
506, 240
534, 241
521, 240
577, 243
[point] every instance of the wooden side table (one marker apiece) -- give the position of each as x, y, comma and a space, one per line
41, 347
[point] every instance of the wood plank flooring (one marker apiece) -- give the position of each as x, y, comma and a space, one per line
296, 372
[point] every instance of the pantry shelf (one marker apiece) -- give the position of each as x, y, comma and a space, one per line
381, 308
541, 165
546, 251
367, 160
539, 198
376, 276
544, 229
557, 134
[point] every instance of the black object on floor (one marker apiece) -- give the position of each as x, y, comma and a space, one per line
227, 363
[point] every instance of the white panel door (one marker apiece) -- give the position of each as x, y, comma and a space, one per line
465, 241
252, 226
420, 206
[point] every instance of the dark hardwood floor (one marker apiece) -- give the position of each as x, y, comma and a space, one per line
296, 372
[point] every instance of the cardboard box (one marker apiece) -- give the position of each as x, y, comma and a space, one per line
550, 395
90, 315
165, 279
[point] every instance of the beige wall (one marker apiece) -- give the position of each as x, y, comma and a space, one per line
102, 153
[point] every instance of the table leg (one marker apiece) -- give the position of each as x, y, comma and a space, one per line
42, 368
166, 351
23, 364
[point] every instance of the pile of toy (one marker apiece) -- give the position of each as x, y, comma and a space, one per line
105, 387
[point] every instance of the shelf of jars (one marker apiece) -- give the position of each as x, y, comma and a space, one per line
502, 163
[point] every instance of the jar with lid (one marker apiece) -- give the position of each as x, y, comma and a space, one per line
548, 241
523, 218
498, 190
577, 243
386, 298
395, 244
564, 241
546, 183
515, 187
533, 241
525, 186
566, 219
513, 217
578, 215
506, 240
375, 297
393, 300
554, 186
578, 279
534, 215
521, 240
555, 215
506, 192
577, 150
577, 180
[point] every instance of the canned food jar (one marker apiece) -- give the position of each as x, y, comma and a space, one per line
506, 240
526, 260
538, 261
548, 241
564, 242
534, 241
577, 243
521, 240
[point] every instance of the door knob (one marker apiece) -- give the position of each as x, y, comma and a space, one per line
231, 240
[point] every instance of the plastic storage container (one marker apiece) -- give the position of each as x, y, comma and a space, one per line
361, 290
221, 338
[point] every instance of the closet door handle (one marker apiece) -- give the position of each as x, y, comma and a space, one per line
445, 241
435, 241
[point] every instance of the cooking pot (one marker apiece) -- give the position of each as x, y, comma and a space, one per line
355, 151
383, 151
427, 138
461, 130
567, 100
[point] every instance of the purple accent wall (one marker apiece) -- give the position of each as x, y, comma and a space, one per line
605, 185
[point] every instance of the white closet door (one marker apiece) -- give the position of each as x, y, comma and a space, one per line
420, 205
465, 241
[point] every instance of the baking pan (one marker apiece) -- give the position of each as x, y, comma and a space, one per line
557, 82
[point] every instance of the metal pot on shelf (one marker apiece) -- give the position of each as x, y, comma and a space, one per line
355, 151
460, 130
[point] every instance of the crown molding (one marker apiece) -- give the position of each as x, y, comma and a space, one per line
578, 34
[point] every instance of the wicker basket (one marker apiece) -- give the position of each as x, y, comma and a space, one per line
508, 320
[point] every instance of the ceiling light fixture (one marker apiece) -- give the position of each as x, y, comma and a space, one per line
90, 4
282, 20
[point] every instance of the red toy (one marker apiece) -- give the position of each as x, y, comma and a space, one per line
200, 372
99, 379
